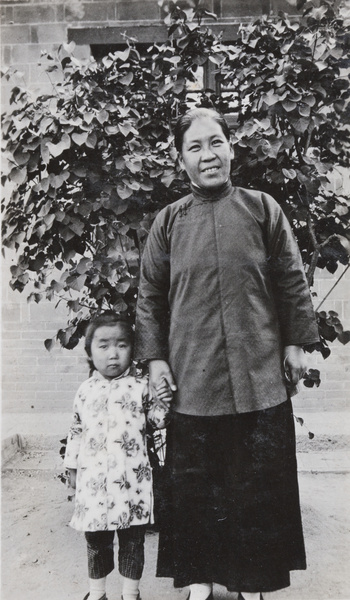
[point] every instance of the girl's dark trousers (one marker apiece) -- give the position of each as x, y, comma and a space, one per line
100, 552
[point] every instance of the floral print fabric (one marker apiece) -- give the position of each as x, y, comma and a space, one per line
107, 446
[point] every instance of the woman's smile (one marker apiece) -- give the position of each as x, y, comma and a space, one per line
210, 170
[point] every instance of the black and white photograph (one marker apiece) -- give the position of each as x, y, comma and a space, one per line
175, 330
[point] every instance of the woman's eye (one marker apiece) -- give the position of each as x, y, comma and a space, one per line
217, 142
194, 148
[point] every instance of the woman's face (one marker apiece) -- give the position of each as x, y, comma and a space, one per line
206, 153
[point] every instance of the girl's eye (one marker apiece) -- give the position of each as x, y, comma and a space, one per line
217, 142
103, 346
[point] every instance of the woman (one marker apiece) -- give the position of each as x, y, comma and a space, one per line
224, 311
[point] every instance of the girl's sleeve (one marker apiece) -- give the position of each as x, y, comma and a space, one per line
157, 412
291, 290
152, 313
74, 435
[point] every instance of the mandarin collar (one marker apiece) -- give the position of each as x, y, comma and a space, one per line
211, 195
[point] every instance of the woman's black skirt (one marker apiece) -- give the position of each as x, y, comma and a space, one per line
230, 512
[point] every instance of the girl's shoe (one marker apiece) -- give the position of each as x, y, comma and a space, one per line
138, 597
240, 597
104, 597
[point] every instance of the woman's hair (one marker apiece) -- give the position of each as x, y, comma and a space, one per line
108, 318
185, 121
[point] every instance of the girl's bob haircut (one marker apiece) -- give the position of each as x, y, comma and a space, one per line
185, 121
107, 319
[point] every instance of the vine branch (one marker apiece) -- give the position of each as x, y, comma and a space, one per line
332, 288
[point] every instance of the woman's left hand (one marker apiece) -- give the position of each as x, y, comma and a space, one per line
294, 362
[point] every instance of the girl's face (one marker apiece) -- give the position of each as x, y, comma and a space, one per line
111, 350
206, 153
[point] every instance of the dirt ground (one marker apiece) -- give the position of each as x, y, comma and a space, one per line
44, 559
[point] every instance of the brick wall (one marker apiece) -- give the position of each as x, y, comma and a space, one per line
334, 391
33, 26
33, 379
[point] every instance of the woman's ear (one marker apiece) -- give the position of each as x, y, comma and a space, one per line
180, 161
232, 152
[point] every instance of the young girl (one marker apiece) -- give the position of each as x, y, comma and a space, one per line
106, 456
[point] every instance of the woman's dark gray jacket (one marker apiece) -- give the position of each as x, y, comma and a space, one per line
222, 291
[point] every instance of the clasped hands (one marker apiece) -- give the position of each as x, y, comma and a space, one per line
161, 380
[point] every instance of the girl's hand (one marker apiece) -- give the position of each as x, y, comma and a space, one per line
163, 392
160, 373
72, 478
294, 364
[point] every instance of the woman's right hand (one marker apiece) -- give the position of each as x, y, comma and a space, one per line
159, 370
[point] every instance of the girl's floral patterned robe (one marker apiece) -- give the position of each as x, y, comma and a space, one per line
107, 446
